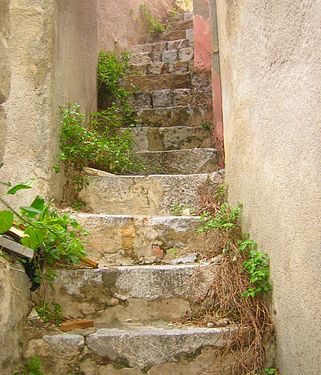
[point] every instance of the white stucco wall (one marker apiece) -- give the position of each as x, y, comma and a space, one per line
271, 76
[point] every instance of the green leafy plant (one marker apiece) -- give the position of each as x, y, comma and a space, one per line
31, 367
241, 281
172, 251
108, 148
154, 26
50, 313
257, 268
178, 209
55, 237
226, 218
270, 371
113, 97
206, 125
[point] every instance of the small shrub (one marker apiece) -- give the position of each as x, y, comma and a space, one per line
31, 367
113, 97
257, 268
50, 313
154, 26
55, 237
99, 144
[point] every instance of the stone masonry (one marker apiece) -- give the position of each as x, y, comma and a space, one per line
142, 231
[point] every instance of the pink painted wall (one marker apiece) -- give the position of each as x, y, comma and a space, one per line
206, 59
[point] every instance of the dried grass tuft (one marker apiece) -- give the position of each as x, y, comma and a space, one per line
224, 303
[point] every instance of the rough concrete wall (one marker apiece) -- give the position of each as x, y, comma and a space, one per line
74, 66
14, 309
28, 107
4, 70
75, 57
120, 22
271, 77
52, 54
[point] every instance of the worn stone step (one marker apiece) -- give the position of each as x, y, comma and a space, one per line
164, 67
143, 195
173, 54
159, 82
117, 297
178, 34
162, 98
171, 138
160, 46
148, 350
198, 160
175, 116
181, 16
181, 25
114, 296
132, 239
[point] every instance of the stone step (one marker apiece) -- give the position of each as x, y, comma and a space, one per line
178, 34
171, 138
190, 116
177, 54
143, 195
160, 46
133, 239
162, 98
158, 82
181, 25
135, 351
181, 16
164, 68
198, 160
114, 296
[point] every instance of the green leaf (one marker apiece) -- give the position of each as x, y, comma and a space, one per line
6, 221
34, 238
23, 186
38, 203
30, 211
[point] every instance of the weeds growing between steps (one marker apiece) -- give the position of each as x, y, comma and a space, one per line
238, 294
100, 142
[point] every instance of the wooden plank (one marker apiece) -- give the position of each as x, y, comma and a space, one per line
89, 262
18, 232
16, 247
69, 325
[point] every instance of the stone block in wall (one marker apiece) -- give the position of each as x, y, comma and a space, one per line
162, 98
177, 44
142, 100
157, 56
182, 97
156, 68
170, 55
186, 54
178, 67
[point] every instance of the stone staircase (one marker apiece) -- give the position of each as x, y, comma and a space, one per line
149, 275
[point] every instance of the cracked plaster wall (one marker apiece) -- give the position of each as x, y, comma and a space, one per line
271, 76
